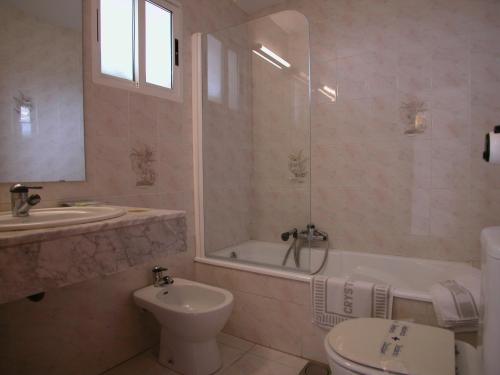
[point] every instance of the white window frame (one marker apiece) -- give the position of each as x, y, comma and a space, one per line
139, 84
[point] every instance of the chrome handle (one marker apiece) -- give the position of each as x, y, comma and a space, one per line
286, 235
159, 269
20, 188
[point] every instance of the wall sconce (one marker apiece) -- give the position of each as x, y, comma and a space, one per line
271, 57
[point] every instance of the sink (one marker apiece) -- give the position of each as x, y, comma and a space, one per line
58, 217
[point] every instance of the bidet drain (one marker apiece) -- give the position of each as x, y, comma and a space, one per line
315, 368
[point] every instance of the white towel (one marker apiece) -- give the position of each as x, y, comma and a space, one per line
456, 302
336, 299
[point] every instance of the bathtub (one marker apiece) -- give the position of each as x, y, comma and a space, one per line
410, 278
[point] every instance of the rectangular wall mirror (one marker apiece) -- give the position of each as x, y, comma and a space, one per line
41, 91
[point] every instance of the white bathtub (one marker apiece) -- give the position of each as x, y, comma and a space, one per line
411, 278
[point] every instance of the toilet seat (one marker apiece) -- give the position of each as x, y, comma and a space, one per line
341, 365
370, 346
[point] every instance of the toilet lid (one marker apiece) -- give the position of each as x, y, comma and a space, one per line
395, 347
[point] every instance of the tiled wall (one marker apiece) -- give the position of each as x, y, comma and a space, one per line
87, 328
117, 121
375, 189
43, 62
276, 312
82, 329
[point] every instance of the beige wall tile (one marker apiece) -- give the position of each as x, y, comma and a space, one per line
424, 190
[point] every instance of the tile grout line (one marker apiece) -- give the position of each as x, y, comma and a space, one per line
240, 356
277, 360
125, 361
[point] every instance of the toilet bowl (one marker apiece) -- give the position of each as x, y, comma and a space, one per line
370, 346
191, 314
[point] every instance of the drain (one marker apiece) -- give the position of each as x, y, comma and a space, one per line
315, 368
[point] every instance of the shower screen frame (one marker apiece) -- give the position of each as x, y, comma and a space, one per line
198, 61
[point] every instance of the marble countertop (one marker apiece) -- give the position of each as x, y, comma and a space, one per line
134, 216
38, 260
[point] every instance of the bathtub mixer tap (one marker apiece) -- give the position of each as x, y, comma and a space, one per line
310, 234
292, 232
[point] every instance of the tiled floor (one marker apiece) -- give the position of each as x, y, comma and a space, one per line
239, 357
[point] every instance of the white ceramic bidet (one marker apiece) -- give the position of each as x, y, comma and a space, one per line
191, 315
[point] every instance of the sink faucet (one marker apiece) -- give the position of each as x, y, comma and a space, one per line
159, 279
21, 202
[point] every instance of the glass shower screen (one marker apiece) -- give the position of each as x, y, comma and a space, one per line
255, 142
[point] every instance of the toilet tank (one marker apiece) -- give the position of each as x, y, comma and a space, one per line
489, 336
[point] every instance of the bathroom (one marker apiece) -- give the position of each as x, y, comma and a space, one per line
365, 118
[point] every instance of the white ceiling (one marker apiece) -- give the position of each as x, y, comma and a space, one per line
254, 6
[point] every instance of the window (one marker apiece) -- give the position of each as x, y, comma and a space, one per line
158, 48
117, 36
136, 46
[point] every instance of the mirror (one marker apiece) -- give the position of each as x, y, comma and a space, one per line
41, 91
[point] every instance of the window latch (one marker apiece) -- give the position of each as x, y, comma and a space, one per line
176, 52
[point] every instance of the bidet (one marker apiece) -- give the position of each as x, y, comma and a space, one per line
191, 314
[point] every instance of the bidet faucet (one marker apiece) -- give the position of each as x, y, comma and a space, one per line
21, 202
159, 279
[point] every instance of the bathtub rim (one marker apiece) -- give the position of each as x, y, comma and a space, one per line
296, 276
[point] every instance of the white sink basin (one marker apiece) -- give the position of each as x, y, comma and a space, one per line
57, 217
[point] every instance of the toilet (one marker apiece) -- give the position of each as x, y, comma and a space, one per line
370, 346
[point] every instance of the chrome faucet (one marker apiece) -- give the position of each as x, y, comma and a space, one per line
159, 279
308, 236
21, 202
312, 234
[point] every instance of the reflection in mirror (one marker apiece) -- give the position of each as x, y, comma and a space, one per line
41, 91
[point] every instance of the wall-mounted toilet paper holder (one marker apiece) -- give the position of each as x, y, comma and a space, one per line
492, 146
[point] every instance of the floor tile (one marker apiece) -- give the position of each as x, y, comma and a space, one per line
229, 356
143, 364
234, 342
251, 364
239, 357
280, 357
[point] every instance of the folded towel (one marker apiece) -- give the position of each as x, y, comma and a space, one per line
336, 299
456, 302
